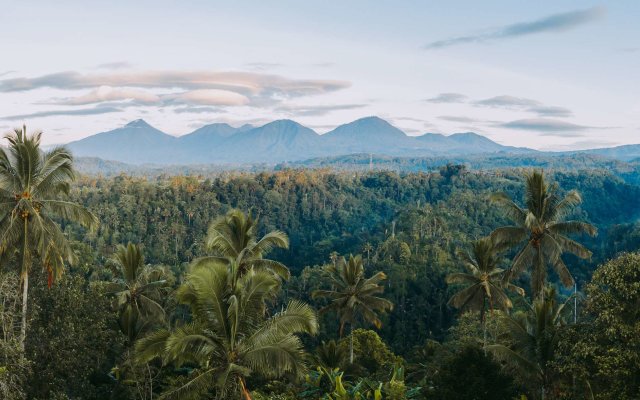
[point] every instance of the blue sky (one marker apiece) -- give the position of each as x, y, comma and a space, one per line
547, 75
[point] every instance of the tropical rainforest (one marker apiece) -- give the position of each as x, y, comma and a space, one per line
442, 283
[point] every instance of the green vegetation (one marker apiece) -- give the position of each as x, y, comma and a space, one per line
241, 285
541, 228
31, 184
352, 295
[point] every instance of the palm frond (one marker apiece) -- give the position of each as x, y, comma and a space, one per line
573, 227
526, 367
152, 346
72, 212
511, 209
195, 388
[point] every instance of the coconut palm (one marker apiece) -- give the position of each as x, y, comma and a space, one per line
233, 237
137, 288
33, 184
484, 284
230, 335
540, 231
533, 336
353, 296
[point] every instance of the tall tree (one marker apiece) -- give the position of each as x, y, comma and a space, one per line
230, 337
353, 296
32, 186
136, 290
540, 231
531, 340
233, 237
605, 350
484, 283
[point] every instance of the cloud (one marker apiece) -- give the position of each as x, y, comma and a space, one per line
208, 97
409, 119
108, 93
196, 110
448, 98
524, 104
123, 89
507, 102
317, 110
6, 73
453, 118
114, 65
52, 113
553, 23
263, 66
551, 111
127, 97
547, 127
245, 83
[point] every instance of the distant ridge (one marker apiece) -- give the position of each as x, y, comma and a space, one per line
626, 152
288, 141
135, 143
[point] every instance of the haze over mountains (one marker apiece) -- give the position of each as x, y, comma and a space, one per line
286, 140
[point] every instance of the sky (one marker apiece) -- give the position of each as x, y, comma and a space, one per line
549, 75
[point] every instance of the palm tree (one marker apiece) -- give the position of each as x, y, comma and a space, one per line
540, 227
230, 336
353, 296
136, 288
233, 237
32, 186
368, 248
484, 280
533, 336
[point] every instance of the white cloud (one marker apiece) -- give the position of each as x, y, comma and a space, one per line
208, 97
547, 127
108, 93
448, 98
552, 23
247, 83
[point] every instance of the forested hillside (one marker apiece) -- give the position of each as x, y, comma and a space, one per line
134, 322
324, 211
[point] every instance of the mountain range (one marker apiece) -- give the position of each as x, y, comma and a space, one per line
287, 141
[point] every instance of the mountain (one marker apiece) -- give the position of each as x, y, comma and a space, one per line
276, 142
211, 132
287, 141
626, 153
436, 140
202, 145
137, 143
366, 135
282, 140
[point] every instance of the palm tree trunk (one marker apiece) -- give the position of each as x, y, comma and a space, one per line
351, 345
23, 327
245, 393
25, 287
483, 320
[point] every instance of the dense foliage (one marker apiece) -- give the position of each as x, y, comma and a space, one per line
209, 287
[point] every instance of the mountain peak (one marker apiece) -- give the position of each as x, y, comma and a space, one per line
470, 137
138, 123
466, 134
368, 127
370, 122
282, 123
